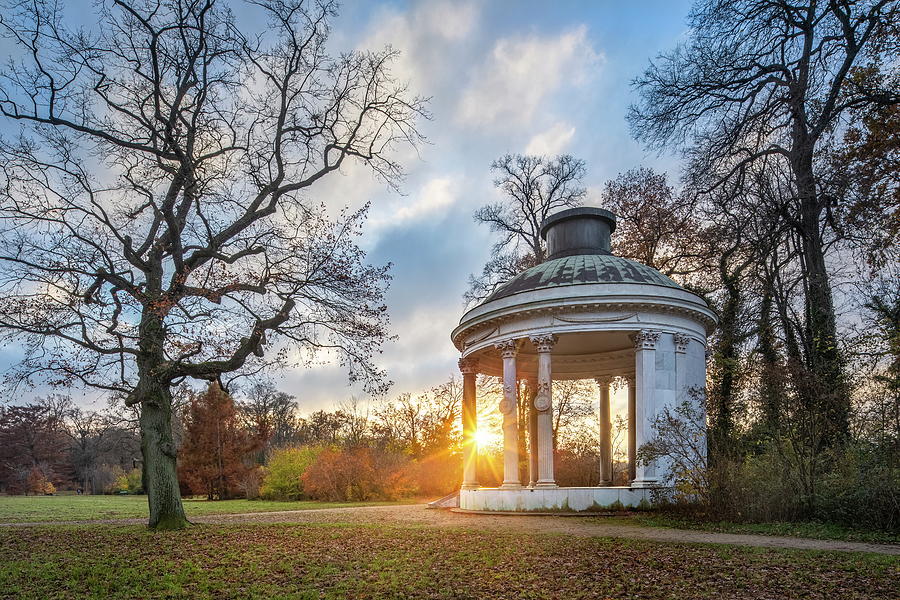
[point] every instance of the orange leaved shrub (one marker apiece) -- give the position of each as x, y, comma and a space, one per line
356, 474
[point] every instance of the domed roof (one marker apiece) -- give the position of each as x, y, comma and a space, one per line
581, 269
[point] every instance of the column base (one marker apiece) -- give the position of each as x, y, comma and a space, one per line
511, 485
644, 483
605, 483
546, 484
470, 486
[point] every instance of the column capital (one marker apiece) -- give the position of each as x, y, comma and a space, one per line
681, 342
544, 342
604, 380
508, 348
645, 339
468, 366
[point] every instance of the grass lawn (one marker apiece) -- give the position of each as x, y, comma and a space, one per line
21, 509
342, 560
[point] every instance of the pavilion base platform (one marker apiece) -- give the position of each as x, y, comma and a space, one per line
561, 499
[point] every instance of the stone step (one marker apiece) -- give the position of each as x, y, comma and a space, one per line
448, 501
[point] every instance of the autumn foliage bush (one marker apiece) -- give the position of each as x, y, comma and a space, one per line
38, 484
437, 474
129, 482
282, 478
357, 474
339, 473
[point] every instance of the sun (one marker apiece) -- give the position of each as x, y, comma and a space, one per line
485, 438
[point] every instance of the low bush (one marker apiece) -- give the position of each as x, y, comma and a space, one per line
283, 473
437, 474
38, 484
126, 482
358, 474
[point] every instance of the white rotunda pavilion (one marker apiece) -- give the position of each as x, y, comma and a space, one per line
581, 314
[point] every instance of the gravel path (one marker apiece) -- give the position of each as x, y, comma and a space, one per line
418, 515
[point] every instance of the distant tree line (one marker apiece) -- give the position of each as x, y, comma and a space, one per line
255, 443
52, 443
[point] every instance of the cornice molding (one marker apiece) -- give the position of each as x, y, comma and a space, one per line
563, 314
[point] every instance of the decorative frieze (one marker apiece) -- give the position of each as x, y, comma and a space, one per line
466, 335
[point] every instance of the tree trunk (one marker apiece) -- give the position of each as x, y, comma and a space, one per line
771, 384
725, 373
158, 449
829, 389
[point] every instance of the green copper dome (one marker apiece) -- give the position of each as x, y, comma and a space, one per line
581, 269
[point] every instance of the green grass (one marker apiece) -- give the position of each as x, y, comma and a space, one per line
22, 509
333, 559
821, 531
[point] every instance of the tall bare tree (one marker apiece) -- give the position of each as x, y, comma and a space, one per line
533, 187
156, 203
759, 79
270, 414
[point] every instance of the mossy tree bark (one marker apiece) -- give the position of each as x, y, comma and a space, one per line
153, 395
160, 458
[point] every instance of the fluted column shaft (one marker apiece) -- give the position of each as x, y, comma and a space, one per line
632, 439
543, 404
645, 402
606, 475
532, 434
508, 406
681, 345
468, 368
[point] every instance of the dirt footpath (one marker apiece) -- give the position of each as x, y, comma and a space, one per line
418, 515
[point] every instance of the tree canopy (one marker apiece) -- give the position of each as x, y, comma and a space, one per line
158, 219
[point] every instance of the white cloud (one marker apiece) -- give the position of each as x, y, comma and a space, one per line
521, 72
423, 35
433, 198
552, 141
435, 195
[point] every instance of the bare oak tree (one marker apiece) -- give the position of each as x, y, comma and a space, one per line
157, 222
533, 187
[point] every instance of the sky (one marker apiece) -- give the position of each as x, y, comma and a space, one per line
503, 77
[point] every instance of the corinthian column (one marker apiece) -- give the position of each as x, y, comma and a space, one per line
632, 439
543, 404
508, 351
468, 367
606, 476
645, 403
